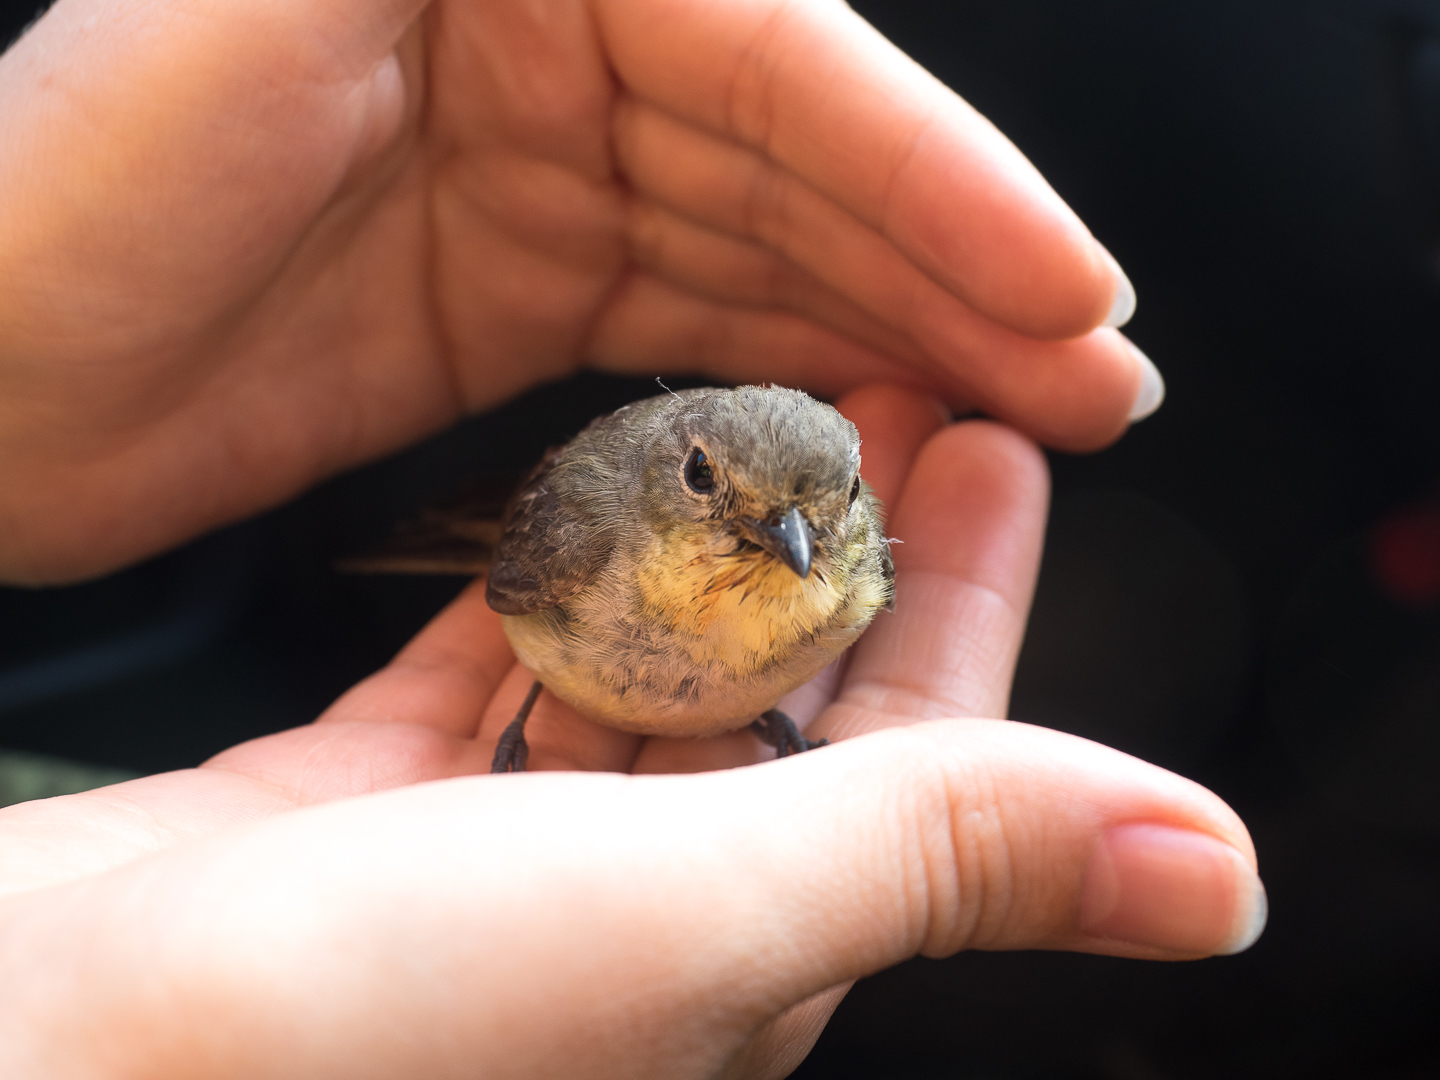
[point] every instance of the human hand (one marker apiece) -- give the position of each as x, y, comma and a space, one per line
222, 922
246, 245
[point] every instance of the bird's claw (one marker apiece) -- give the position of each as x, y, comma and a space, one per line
776, 729
512, 750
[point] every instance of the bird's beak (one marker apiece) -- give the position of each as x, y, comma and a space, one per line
786, 536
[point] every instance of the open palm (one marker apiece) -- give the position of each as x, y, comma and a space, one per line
349, 899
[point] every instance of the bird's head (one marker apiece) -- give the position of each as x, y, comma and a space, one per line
770, 467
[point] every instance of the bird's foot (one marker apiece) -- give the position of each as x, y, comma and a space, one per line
776, 729
512, 751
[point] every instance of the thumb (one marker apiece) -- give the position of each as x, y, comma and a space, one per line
988, 834
992, 835
584, 925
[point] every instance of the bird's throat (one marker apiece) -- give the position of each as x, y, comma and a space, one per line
731, 602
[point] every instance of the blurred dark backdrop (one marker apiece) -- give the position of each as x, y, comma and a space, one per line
1246, 589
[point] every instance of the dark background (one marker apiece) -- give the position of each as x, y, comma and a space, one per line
1246, 589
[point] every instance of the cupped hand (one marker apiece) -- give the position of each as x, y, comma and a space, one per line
348, 900
247, 244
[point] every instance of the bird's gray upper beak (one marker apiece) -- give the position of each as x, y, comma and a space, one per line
786, 536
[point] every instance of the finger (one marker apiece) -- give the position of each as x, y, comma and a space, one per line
485, 911
819, 92
780, 1045
44, 842
414, 720
459, 677
436, 711
661, 755
971, 523
894, 423
444, 679
651, 326
411, 722
730, 270
649, 323
1076, 393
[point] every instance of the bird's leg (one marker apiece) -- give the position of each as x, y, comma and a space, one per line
776, 729
512, 751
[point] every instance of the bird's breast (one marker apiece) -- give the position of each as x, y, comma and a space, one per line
731, 603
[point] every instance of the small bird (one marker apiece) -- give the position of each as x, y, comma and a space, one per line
680, 565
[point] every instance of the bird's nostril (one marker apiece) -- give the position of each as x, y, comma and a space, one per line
773, 521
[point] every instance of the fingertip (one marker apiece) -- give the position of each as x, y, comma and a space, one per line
1122, 307
1151, 393
1031, 839
894, 422
1082, 289
981, 220
966, 537
895, 404
1252, 915
971, 482
1082, 397
442, 678
1157, 889
996, 450
467, 622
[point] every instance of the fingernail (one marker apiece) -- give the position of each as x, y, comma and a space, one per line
1122, 308
1172, 889
1152, 387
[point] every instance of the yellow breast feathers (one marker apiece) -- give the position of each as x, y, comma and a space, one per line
741, 608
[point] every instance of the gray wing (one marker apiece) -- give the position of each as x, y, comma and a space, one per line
550, 548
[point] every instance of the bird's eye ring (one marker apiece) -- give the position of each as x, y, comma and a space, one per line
698, 473
855, 490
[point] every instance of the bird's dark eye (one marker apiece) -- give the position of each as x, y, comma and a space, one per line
697, 472
855, 490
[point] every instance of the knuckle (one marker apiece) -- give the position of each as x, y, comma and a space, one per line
750, 100
645, 232
967, 855
766, 204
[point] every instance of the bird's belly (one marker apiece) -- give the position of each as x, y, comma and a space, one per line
712, 667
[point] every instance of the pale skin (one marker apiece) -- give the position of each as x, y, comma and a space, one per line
250, 251
248, 244
310, 904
